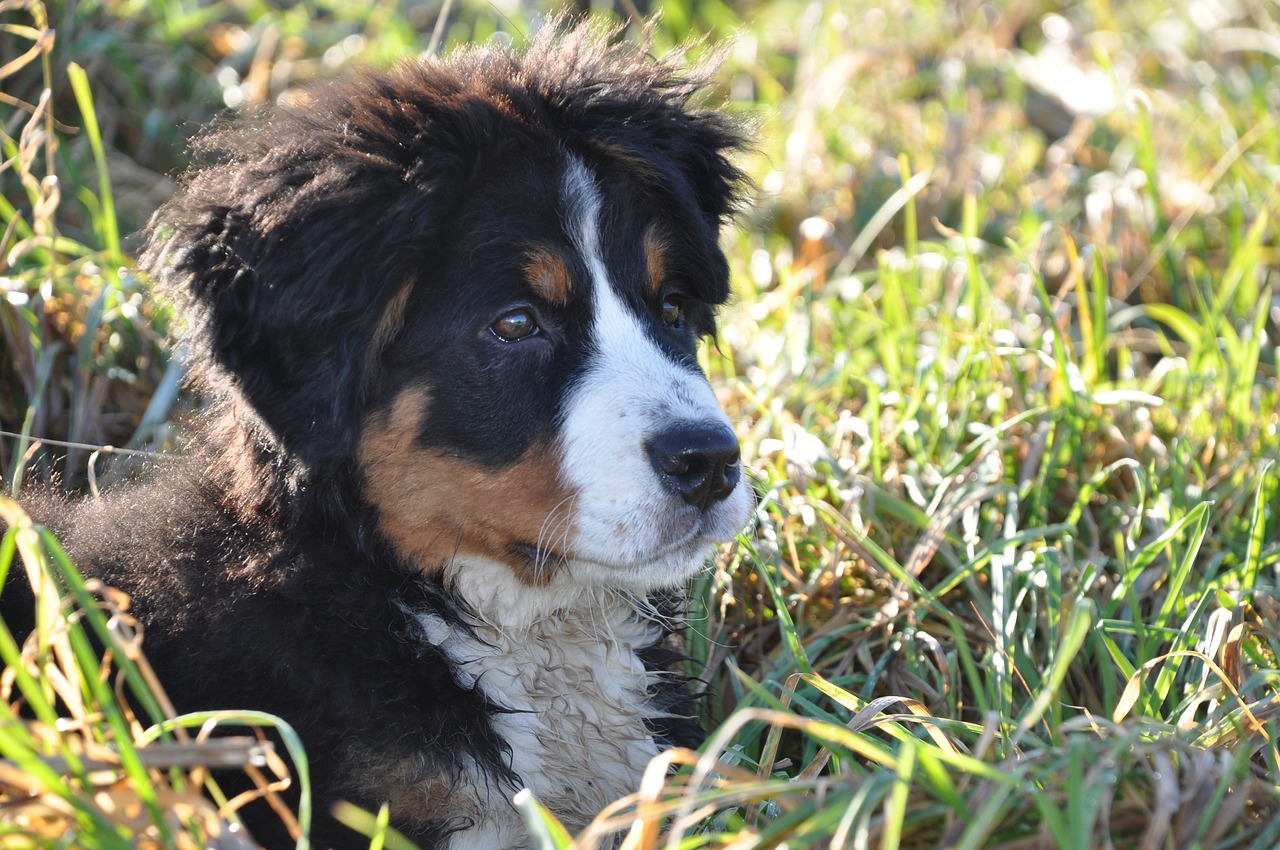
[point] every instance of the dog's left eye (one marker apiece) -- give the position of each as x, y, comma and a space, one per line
671, 312
515, 326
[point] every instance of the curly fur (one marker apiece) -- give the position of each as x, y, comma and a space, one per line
375, 535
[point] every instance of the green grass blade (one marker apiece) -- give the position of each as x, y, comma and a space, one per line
109, 226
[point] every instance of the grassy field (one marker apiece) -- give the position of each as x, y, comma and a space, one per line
1003, 359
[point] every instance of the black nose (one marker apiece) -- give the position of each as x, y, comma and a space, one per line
699, 461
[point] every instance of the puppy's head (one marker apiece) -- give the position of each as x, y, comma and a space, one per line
473, 290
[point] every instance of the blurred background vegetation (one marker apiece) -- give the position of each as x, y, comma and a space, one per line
1004, 359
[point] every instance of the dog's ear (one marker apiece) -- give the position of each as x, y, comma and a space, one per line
290, 244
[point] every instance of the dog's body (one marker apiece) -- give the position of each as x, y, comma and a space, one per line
458, 448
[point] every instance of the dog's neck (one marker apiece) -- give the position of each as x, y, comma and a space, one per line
564, 662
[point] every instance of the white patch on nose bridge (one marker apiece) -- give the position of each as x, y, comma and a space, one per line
619, 337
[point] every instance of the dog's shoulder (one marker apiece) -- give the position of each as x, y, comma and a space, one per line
296, 621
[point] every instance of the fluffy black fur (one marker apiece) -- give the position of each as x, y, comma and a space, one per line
255, 561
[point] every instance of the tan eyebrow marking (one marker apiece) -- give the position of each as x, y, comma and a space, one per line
547, 275
655, 256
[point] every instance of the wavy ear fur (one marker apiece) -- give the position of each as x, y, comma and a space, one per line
285, 251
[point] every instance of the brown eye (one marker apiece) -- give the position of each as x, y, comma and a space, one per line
671, 312
515, 326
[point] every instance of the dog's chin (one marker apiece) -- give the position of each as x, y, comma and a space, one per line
664, 555
497, 596
659, 546
669, 567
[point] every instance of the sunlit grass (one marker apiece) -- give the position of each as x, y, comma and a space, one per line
91, 746
1003, 358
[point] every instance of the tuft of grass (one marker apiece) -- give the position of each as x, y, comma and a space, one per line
1007, 366
1004, 363
81, 354
90, 746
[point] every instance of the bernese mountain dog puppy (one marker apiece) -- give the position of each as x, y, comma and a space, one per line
459, 456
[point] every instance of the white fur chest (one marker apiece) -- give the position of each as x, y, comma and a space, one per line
563, 663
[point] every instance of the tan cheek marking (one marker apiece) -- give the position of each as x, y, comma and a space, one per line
655, 255
548, 276
433, 508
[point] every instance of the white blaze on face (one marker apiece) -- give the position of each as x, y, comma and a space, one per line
629, 528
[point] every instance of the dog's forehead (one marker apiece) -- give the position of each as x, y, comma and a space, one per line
530, 232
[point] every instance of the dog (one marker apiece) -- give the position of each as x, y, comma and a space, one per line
458, 456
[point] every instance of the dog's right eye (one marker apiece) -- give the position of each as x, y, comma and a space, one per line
515, 326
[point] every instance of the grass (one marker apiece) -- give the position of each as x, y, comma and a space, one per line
1004, 364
